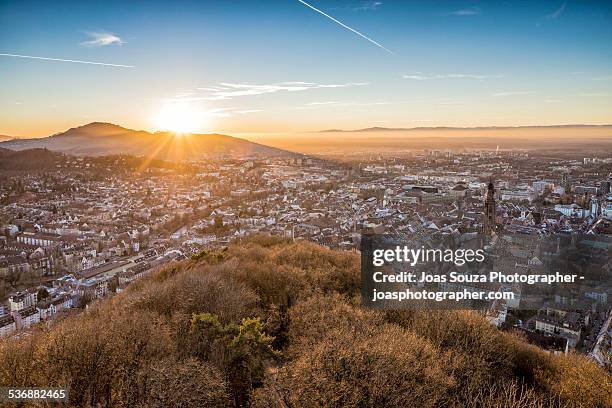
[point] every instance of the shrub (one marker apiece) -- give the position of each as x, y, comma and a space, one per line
391, 368
189, 383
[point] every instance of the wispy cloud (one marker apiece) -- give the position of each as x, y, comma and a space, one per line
451, 102
249, 111
596, 94
66, 60
358, 6
323, 103
602, 78
367, 5
185, 94
557, 13
218, 112
345, 26
227, 112
227, 90
593, 76
371, 103
470, 11
512, 93
102, 39
420, 77
338, 104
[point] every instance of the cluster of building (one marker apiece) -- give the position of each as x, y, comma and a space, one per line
95, 224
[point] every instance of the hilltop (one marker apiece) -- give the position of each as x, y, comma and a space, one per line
270, 323
30, 159
99, 139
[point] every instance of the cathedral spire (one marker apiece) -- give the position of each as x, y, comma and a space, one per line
488, 225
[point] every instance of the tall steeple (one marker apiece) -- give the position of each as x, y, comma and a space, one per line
566, 184
488, 225
567, 195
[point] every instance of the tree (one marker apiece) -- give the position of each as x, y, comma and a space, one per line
43, 293
246, 347
113, 284
84, 301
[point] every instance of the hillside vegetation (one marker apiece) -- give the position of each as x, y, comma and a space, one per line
32, 159
269, 323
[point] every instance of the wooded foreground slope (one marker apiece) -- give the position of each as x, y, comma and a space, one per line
272, 323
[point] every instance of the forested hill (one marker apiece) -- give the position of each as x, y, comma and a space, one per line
269, 323
31, 159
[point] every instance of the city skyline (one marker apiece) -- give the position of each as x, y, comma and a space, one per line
302, 66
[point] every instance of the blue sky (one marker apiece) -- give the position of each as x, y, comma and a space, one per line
278, 65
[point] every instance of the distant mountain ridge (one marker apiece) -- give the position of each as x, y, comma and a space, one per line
98, 139
385, 129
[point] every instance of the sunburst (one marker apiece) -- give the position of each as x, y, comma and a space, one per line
180, 118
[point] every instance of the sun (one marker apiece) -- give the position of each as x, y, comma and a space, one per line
180, 118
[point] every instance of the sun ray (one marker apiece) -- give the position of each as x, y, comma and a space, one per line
164, 140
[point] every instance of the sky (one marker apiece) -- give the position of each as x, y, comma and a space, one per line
290, 65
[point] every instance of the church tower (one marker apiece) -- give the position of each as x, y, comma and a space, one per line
488, 225
566, 198
567, 184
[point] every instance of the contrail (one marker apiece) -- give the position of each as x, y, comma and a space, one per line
66, 60
345, 26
